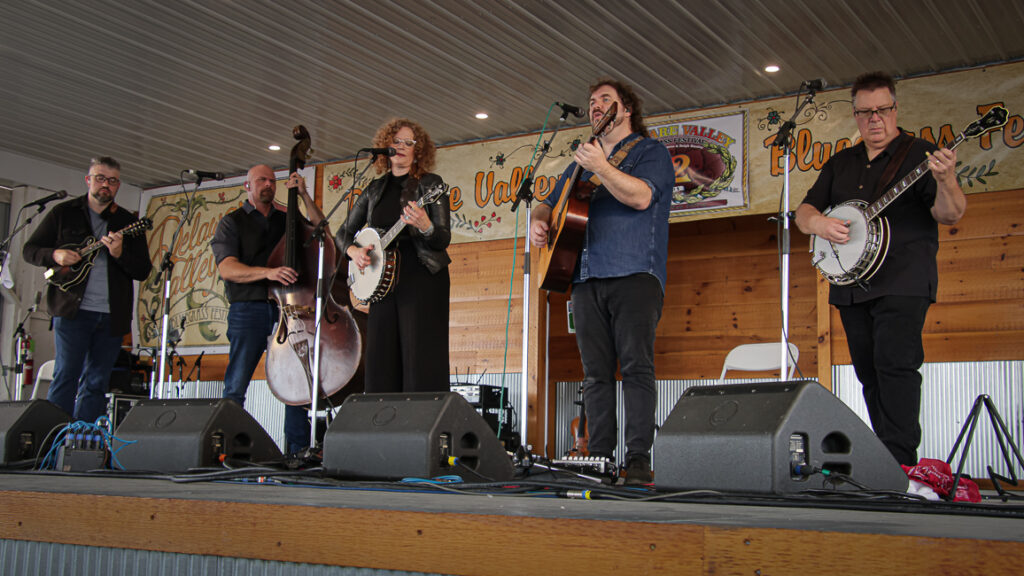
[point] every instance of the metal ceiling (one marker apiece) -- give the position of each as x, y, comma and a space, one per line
167, 85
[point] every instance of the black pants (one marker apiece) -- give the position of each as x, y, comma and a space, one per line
407, 331
616, 319
884, 336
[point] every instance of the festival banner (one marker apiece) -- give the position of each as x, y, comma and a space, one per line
724, 158
725, 166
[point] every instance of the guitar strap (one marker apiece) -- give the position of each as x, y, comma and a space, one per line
616, 159
897, 160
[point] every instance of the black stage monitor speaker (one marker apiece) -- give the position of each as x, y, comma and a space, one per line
24, 426
176, 435
392, 436
750, 438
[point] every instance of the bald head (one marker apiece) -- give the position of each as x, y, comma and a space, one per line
261, 186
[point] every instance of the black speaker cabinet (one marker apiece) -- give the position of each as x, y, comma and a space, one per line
392, 436
749, 437
25, 425
176, 435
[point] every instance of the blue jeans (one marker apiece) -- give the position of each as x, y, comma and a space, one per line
85, 355
250, 324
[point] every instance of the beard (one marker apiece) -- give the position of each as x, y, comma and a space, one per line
103, 196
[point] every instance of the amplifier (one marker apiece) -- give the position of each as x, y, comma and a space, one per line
486, 400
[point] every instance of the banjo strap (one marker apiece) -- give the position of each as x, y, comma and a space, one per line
897, 160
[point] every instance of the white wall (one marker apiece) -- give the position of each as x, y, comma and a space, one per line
27, 175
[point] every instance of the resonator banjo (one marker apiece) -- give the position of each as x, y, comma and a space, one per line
375, 281
861, 257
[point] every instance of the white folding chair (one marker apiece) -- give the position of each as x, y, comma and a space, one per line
758, 358
43, 378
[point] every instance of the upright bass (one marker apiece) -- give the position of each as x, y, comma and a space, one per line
290, 355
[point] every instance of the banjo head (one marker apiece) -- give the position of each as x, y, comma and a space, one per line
363, 283
844, 264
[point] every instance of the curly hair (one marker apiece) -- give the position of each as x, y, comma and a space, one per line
630, 101
424, 155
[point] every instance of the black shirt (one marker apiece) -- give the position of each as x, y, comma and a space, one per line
250, 237
389, 209
909, 267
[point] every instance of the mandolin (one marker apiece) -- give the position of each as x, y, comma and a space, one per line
66, 277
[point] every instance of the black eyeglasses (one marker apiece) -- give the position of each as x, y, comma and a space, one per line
882, 112
101, 179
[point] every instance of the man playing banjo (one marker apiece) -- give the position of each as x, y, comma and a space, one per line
884, 316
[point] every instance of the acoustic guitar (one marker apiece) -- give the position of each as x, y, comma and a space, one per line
568, 222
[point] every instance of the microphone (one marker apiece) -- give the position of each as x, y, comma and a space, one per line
815, 85
47, 199
201, 174
570, 109
389, 151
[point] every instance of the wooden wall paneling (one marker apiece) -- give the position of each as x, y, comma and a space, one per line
978, 312
723, 290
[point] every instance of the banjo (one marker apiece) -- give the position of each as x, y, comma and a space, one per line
861, 257
373, 283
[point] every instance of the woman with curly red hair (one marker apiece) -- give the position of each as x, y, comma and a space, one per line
406, 348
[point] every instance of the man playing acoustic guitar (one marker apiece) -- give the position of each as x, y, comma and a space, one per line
90, 317
884, 316
620, 273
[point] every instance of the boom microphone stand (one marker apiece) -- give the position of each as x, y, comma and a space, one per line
525, 194
319, 234
166, 268
784, 140
5, 247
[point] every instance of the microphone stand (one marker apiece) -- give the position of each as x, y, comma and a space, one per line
196, 369
19, 363
525, 194
319, 234
166, 268
784, 140
19, 332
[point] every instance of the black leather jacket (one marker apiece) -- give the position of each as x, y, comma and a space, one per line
430, 248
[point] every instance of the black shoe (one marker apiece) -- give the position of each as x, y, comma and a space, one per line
638, 472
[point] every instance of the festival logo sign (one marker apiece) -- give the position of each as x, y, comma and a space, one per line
710, 158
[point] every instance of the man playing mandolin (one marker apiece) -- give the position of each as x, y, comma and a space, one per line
92, 314
241, 245
619, 277
884, 316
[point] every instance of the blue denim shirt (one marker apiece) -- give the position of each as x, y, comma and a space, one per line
622, 241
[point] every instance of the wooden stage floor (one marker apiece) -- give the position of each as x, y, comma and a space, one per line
388, 526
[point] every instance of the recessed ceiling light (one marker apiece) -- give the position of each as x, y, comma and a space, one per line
771, 68
481, 115
274, 147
